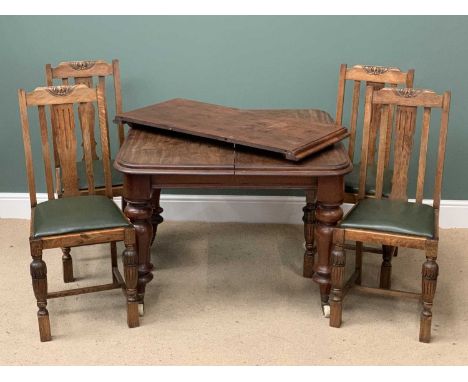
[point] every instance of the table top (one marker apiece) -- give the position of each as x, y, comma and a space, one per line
157, 152
295, 133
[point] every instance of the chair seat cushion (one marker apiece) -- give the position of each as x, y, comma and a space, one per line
98, 172
395, 216
352, 180
76, 214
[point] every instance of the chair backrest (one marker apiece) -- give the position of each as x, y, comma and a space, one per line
87, 72
377, 77
406, 101
63, 100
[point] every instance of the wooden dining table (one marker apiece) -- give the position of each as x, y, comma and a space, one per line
153, 159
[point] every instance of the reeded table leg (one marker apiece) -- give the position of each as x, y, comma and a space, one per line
137, 192
327, 214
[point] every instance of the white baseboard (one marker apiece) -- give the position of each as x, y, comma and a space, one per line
232, 208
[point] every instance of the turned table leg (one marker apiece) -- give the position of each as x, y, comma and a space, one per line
137, 192
156, 217
309, 220
327, 214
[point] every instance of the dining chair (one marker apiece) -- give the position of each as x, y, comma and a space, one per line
73, 219
360, 75
394, 221
378, 77
88, 73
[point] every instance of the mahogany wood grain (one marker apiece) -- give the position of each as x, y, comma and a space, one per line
293, 133
149, 152
153, 159
144, 150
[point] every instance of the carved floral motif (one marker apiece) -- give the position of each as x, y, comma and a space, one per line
375, 70
407, 92
60, 91
82, 65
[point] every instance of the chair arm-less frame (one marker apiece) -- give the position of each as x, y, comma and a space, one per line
393, 221
74, 219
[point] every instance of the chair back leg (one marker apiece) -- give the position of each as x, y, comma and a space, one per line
386, 267
67, 264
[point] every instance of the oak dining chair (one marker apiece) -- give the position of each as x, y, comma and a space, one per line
89, 73
360, 76
73, 219
393, 221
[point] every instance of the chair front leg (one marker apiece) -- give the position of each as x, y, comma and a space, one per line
130, 262
38, 270
337, 279
430, 272
67, 264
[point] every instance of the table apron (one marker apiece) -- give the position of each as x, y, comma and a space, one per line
233, 181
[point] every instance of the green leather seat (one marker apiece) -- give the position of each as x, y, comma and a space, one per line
76, 214
352, 180
98, 171
391, 216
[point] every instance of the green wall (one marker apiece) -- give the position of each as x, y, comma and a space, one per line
256, 62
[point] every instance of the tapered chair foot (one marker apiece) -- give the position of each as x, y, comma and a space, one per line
67, 266
44, 327
386, 267
425, 329
133, 317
